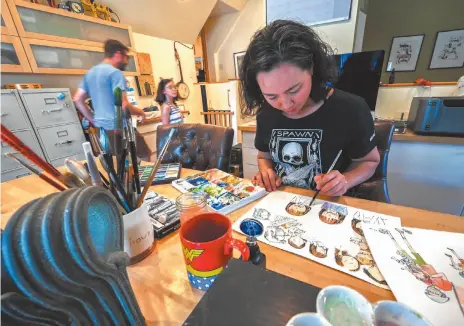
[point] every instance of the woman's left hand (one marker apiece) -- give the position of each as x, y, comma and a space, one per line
331, 184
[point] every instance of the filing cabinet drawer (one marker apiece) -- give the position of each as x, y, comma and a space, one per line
60, 161
15, 174
62, 141
46, 109
28, 138
13, 115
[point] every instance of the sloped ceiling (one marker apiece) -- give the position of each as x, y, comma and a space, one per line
179, 20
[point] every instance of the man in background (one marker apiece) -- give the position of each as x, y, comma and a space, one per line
99, 84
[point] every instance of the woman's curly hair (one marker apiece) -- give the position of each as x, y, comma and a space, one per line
285, 41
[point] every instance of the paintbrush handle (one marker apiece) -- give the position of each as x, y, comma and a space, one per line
328, 171
42, 176
133, 154
11, 139
155, 168
121, 195
93, 169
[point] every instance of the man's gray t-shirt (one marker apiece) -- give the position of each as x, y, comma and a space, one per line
99, 83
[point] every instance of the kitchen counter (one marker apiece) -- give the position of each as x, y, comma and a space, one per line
409, 136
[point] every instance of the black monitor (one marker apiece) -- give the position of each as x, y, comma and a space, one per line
359, 73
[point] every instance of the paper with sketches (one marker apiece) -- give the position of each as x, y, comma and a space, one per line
424, 268
328, 233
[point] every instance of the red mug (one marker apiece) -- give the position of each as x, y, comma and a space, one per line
207, 245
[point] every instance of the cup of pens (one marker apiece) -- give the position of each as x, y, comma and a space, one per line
139, 240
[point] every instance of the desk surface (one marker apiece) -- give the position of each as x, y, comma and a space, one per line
160, 282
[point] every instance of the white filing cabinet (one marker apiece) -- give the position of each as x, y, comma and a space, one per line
45, 120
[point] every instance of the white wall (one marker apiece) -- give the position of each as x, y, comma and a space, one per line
165, 66
392, 101
234, 32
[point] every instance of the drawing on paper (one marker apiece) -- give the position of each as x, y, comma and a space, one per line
298, 206
404, 52
456, 261
450, 48
317, 249
345, 260
315, 236
297, 242
437, 283
332, 214
261, 214
356, 226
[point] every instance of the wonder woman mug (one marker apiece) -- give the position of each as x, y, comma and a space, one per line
207, 245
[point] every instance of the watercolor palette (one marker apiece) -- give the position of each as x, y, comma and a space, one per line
224, 191
165, 174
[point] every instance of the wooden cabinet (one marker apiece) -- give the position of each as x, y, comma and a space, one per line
46, 23
49, 57
40, 39
13, 57
7, 24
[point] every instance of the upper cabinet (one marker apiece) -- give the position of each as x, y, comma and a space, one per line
13, 57
41, 39
7, 25
49, 57
46, 23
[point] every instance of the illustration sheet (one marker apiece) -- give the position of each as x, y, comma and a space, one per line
424, 269
328, 233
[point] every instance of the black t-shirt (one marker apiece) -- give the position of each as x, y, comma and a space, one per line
305, 147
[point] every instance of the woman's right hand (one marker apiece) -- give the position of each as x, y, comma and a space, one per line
267, 178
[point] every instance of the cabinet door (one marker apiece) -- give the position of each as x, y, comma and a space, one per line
46, 23
50, 57
12, 112
7, 24
13, 57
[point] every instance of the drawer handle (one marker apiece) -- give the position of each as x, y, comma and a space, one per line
52, 111
3, 114
22, 175
67, 142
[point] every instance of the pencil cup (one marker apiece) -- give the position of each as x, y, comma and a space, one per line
139, 240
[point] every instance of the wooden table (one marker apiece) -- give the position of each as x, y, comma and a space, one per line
160, 282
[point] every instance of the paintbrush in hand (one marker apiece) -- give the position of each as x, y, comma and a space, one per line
328, 171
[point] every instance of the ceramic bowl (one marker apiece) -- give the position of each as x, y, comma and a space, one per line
341, 305
308, 319
392, 313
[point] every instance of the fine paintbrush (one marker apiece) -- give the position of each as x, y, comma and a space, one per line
156, 166
118, 131
133, 151
328, 171
42, 176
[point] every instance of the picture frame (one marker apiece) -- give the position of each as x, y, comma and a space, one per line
448, 51
238, 59
405, 52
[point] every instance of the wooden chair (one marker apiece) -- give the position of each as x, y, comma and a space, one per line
222, 118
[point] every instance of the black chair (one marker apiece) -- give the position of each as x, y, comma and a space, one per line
197, 146
376, 188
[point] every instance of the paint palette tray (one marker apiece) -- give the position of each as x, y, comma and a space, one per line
165, 174
224, 192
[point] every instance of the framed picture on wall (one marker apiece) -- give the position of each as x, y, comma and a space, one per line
448, 51
238, 59
404, 53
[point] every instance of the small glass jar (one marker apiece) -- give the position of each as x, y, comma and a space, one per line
191, 204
